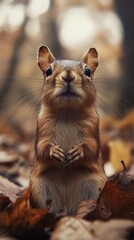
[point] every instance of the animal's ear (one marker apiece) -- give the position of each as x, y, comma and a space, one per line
90, 58
45, 58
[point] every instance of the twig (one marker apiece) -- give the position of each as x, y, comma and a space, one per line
124, 166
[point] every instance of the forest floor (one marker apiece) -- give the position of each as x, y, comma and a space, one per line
110, 218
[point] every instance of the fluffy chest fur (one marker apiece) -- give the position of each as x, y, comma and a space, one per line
66, 135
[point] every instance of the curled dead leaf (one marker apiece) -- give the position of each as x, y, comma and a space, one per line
85, 208
79, 229
116, 199
4, 202
9, 189
21, 221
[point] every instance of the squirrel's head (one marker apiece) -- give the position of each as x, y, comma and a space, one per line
68, 83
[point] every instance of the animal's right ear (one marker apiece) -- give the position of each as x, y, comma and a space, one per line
45, 58
90, 58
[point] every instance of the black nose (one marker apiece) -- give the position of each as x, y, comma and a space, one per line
68, 79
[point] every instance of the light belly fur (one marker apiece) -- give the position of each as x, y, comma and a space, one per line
67, 186
68, 132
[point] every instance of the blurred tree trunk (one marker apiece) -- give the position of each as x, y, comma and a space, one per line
51, 32
125, 9
6, 88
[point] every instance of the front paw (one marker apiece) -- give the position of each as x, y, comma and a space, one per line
75, 154
57, 153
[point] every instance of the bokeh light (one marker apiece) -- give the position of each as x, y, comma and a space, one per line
79, 26
12, 16
37, 7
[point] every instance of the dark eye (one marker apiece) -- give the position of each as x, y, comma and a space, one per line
49, 71
87, 71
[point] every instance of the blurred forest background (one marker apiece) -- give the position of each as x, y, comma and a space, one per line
68, 28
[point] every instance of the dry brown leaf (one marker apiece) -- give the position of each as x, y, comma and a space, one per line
8, 131
125, 122
119, 150
19, 220
70, 228
8, 157
9, 216
9, 189
4, 202
85, 208
116, 199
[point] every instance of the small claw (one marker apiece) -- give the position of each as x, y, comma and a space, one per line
60, 159
57, 153
59, 149
76, 158
74, 149
66, 161
74, 154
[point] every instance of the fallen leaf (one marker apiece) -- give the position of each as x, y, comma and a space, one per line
79, 229
9, 189
85, 208
4, 202
21, 221
116, 199
126, 121
119, 150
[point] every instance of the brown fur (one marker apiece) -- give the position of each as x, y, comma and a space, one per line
61, 173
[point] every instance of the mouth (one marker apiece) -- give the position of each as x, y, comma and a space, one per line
68, 94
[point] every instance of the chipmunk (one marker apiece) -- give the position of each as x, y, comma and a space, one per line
68, 167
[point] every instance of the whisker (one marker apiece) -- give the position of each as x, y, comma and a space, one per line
21, 77
112, 80
33, 110
33, 103
113, 106
126, 102
14, 108
21, 94
121, 56
108, 102
123, 105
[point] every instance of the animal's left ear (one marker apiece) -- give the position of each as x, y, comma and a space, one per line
90, 58
45, 58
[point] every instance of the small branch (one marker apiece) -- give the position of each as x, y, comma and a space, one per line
124, 166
